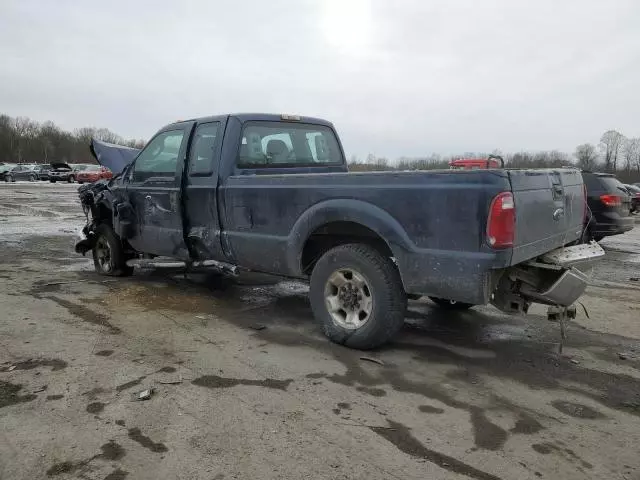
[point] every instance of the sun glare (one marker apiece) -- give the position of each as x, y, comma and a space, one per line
347, 25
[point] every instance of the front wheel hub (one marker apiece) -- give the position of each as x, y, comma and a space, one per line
348, 298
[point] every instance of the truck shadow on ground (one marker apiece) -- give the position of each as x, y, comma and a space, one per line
474, 344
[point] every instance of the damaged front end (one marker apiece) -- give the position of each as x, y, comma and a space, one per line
92, 195
557, 278
98, 200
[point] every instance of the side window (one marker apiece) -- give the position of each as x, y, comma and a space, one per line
160, 157
203, 147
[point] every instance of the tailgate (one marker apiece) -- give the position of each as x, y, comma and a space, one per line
550, 209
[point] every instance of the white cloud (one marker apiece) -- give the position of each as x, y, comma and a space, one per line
397, 78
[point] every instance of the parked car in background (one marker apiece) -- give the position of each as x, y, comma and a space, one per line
42, 171
61, 172
4, 168
634, 193
93, 173
80, 167
20, 172
610, 206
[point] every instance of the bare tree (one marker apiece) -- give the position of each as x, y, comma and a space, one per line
22, 139
24, 130
587, 156
630, 152
610, 143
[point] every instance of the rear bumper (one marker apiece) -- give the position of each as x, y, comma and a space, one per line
556, 278
621, 225
569, 286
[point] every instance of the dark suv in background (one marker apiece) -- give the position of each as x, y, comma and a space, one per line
609, 203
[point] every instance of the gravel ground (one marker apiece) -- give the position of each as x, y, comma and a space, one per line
246, 387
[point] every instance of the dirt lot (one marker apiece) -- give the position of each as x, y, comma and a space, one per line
246, 387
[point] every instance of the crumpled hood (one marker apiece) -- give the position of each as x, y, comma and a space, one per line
114, 157
55, 165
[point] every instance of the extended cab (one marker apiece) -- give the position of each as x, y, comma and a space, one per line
271, 193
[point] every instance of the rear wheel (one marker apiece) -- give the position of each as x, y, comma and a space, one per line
108, 254
450, 304
7, 178
357, 296
32, 178
80, 183
71, 179
52, 180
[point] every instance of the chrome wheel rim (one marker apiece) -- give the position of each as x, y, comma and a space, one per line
348, 298
103, 254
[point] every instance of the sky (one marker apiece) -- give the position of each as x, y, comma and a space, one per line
397, 78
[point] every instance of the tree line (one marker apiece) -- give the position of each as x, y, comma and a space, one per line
23, 140
615, 153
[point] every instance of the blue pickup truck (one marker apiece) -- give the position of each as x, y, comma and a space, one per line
271, 193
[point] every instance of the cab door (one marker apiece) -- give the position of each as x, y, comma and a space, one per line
202, 222
153, 190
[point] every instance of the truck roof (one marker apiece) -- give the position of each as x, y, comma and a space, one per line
258, 117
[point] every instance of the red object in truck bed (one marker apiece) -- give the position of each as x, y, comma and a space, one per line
471, 163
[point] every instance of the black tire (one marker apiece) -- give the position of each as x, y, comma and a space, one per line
80, 183
388, 299
52, 181
32, 178
7, 178
450, 304
71, 179
115, 265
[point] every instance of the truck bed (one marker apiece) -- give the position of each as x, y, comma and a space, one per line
434, 222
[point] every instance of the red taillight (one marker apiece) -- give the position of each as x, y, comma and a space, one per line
611, 200
501, 221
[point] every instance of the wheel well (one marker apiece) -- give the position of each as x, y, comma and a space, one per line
332, 234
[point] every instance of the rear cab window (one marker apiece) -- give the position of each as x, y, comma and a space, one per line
266, 144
